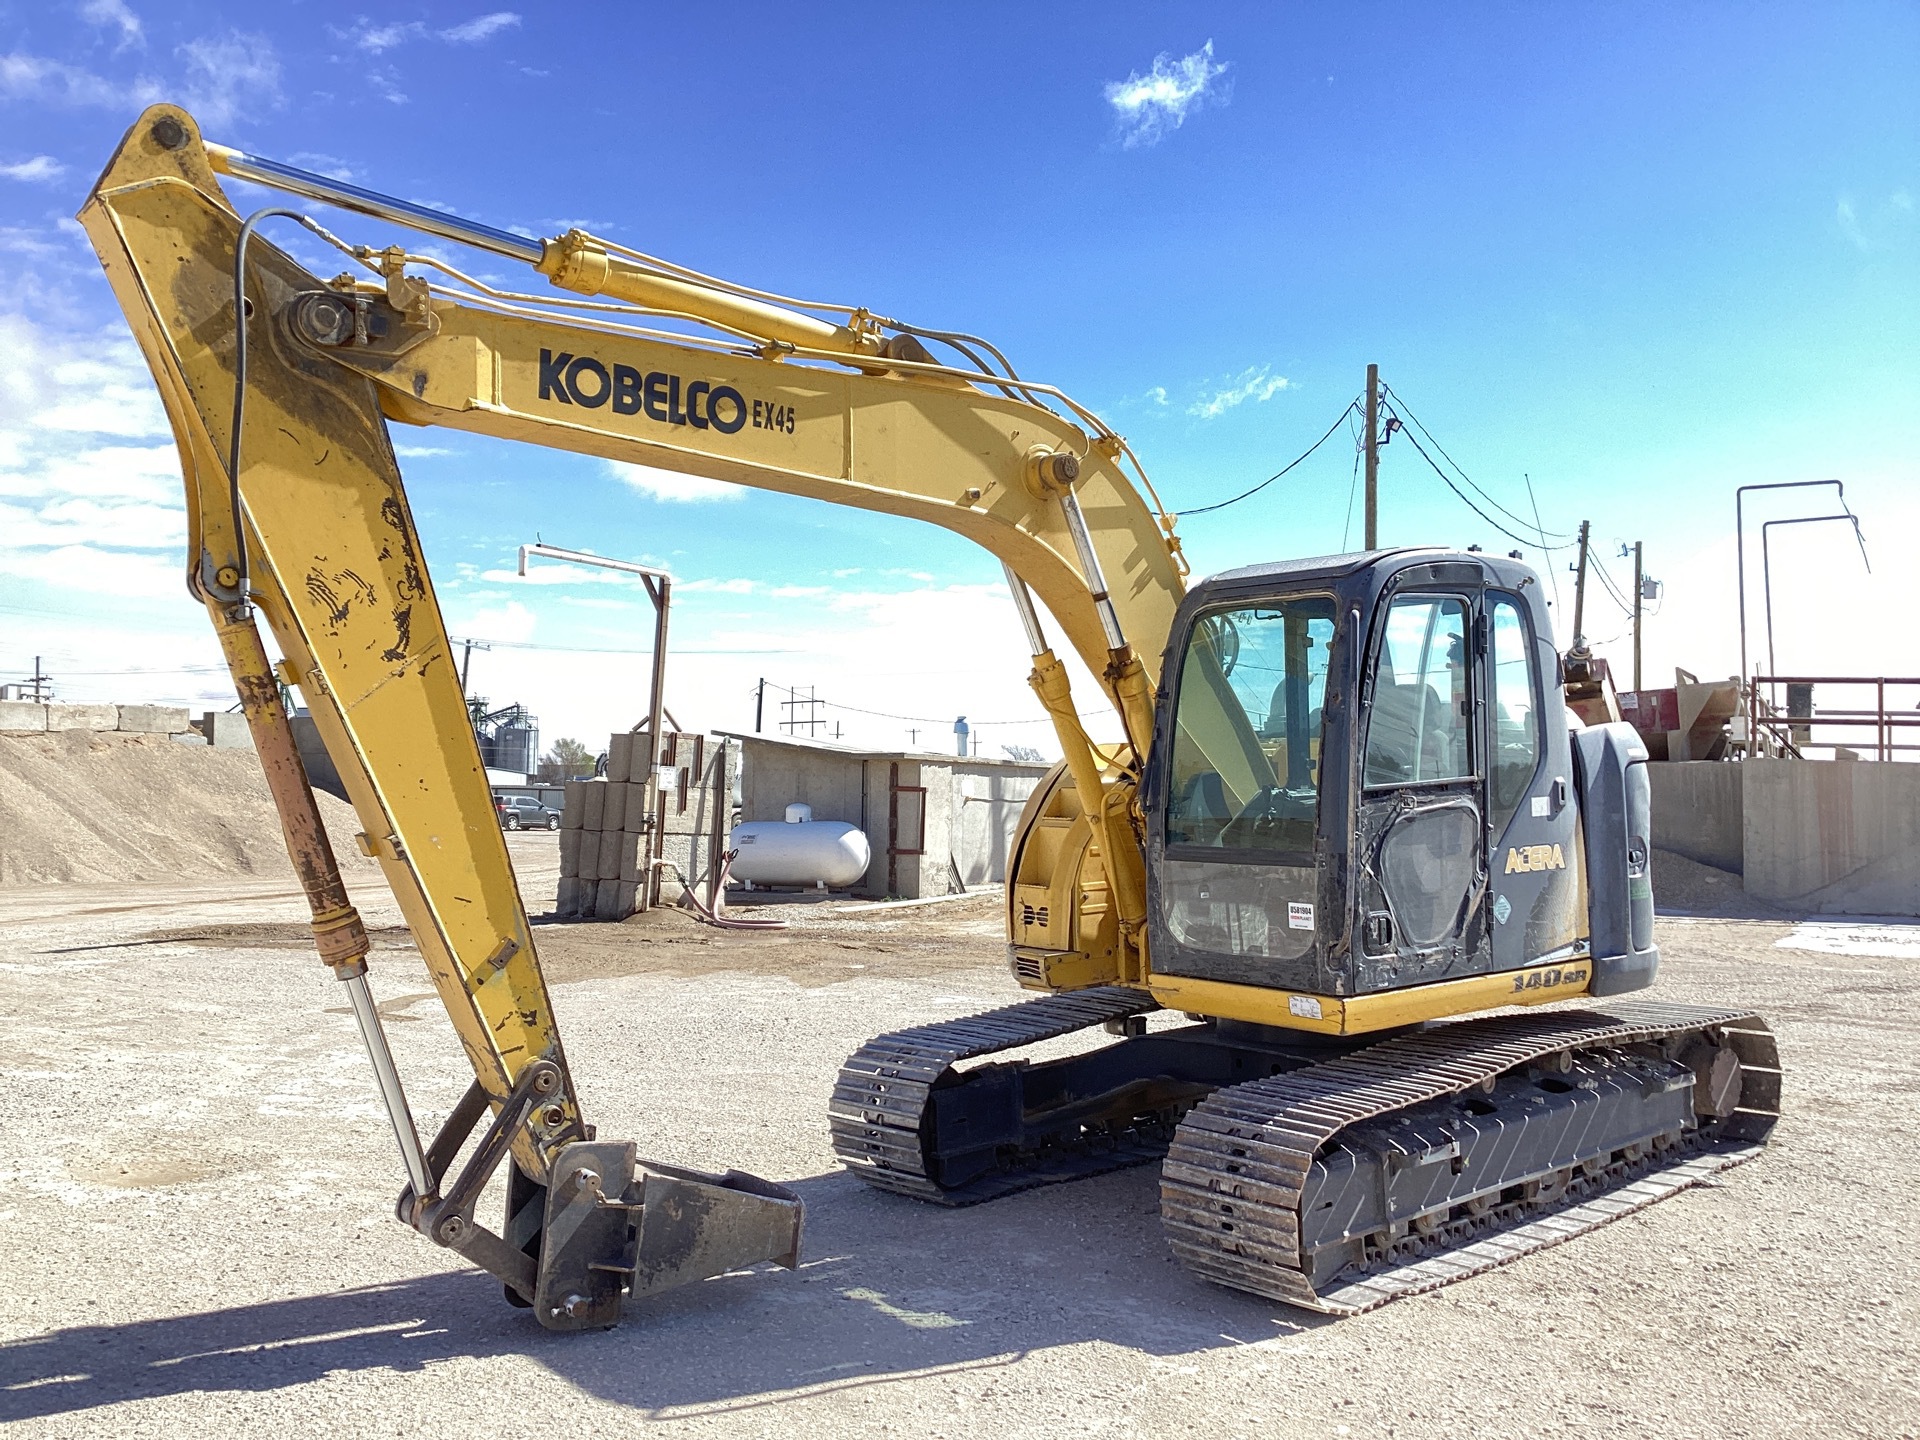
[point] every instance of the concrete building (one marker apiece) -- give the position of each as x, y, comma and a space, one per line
936, 823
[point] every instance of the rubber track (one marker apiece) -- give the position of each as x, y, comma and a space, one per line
885, 1086
1232, 1182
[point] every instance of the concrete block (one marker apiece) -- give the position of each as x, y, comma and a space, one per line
573, 807
638, 807
570, 851
225, 730
607, 867
576, 895
628, 856
89, 717
152, 719
613, 809
593, 805
620, 757
22, 717
614, 900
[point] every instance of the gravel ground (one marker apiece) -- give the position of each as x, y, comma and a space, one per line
196, 1185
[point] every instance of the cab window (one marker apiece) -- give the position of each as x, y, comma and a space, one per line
1515, 714
1246, 739
1417, 725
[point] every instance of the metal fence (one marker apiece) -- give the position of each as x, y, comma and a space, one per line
1786, 721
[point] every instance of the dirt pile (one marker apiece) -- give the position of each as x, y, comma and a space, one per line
91, 806
1686, 887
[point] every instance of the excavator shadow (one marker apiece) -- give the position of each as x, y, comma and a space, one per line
888, 1290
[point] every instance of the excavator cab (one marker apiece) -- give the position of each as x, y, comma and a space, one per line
1362, 778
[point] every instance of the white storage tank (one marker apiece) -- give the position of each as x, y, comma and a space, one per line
800, 851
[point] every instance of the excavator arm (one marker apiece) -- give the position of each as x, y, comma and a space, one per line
297, 515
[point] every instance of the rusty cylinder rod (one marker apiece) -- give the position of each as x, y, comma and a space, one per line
337, 929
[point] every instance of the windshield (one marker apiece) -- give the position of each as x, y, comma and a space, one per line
1246, 743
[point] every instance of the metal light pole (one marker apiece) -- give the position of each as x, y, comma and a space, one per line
1740, 545
1766, 566
659, 586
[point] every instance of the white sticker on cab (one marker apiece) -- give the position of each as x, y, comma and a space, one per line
1299, 916
1542, 807
1304, 1006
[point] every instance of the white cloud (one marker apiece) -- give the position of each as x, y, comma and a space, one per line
1257, 384
669, 485
420, 452
1873, 226
34, 77
129, 575
1150, 106
220, 78
481, 27
225, 74
114, 14
40, 167
1849, 222
377, 39
385, 37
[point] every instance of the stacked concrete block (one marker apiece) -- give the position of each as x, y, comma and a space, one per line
135, 719
22, 717
88, 717
608, 825
602, 840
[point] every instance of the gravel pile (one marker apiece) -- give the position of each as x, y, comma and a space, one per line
102, 806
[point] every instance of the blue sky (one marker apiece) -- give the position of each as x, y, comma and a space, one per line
1642, 254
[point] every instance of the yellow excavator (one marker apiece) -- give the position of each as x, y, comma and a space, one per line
1347, 808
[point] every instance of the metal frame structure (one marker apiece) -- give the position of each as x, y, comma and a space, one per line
659, 586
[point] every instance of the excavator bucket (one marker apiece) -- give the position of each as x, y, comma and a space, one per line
618, 1229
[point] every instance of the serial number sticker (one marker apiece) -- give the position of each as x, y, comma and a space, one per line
1304, 1006
1299, 916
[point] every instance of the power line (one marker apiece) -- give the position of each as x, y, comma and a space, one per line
924, 719
615, 650
1543, 534
1352, 405
1447, 480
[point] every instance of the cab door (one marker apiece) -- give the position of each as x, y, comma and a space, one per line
1531, 858
1421, 834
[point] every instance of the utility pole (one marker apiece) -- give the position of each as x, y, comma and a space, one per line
759, 703
41, 682
1373, 457
1638, 586
1580, 593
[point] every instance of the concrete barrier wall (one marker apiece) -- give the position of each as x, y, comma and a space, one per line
27, 717
1836, 836
1697, 811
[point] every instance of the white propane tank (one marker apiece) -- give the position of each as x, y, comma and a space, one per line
800, 851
